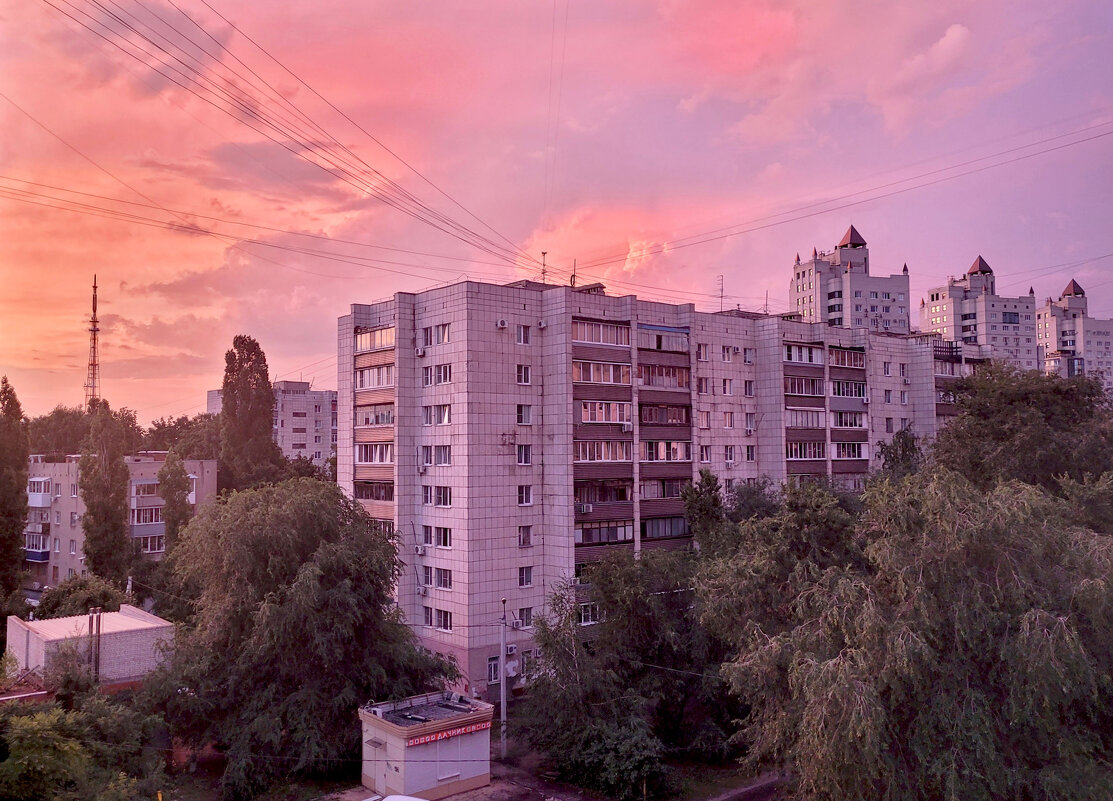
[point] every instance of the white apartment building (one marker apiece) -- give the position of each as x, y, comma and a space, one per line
512, 434
304, 419
1070, 341
969, 310
837, 288
53, 538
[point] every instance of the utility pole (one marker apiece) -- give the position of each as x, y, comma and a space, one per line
502, 683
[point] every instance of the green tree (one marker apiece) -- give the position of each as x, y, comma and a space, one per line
706, 515
77, 595
60, 433
45, 761
173, 486
109, 550
248, 454
14, 451
954, 645
196, 437
295, 627
901, 456
1022, 425
748, 499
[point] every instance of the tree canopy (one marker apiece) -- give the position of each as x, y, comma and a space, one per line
173, 487
294, 627
14, 451
77, 594
248, 454
196, 437
109, 550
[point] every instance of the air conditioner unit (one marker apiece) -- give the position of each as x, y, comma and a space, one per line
501, 324
729, 465
583, 508
422, 590
866, 401
422, 468
541, 324
627, 428
515, 624
737, 349
419, 550
512, 649
419, 352
907, 381
749, 432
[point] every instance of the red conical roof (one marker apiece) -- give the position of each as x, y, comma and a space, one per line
979, 267
852, 239
1073, 289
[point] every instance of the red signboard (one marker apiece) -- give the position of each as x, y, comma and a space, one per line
444, 735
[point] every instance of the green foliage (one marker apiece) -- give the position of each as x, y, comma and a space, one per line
14, 450
69, 674
109, 550
295, 627
1024, 426
77, 595
706, 516
196, 437
60, 433
174, 484
45, 762
902, 456
749, 499
955, 644
9, 669
248, 454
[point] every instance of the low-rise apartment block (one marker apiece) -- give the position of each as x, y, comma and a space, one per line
304, 422
512, 434
54, 539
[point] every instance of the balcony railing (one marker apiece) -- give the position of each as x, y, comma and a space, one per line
35, 555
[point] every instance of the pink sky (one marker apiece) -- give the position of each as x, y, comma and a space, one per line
592, 131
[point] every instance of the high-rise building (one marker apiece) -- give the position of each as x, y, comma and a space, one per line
304, 419
512, 434
969, 310
837, 288
1070, 341
54, 538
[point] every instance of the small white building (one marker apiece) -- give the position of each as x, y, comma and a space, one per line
428, 746
124, 647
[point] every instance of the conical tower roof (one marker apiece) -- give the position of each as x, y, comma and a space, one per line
852, 239
1073, 289
979, 267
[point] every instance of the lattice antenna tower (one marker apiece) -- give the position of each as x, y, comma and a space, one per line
92, 377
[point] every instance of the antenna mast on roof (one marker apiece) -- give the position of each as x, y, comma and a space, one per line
92, 377
720, 293
544, 253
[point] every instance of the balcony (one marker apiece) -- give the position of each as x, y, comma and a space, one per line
39, 500
36, 555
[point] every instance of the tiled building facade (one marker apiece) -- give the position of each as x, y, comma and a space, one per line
1070, 341
304, 419
511, 434
54, 539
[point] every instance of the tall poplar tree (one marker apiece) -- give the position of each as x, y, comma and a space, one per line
13, 487
109, 550
173, 486
248, 453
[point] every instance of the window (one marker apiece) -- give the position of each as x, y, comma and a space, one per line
428, 610
444, 620
374, 340
751, 453
803, 418
805, 450
145, 516
728, 386
375, 453
904, 397
728, 453
427, 576
848, 389
436, 496
589, 614
751, 420
375, 377
702, 352
523, 334
728, 419
156, 543
888, 396
888, 425
850, 450
887, 368
660, 375
748, 388
848, 420
523, 374
803, 353
374, 490
525, 414
655, 488
604, 532
494, 664
439, 415
146, 490
442, 454
665, 451
426, 535
525, 536
525, 454
600, 373
704, 418
525, 576
604, 491
705, 453
436, 374
748, 355
653, 337
662, 527
703, 386
443, 537
903, 369
604, 412
600, 333
73, 490
602, 451
443, 578
811, 387
57, 545
441, 333
666, 415
73, 519
427, 455
73, 546
847, 358
525, 495
728, 353
525, 614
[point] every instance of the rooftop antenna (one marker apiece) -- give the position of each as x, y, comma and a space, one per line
765, 308
544, 253
720, 293
572, 279
92, 377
